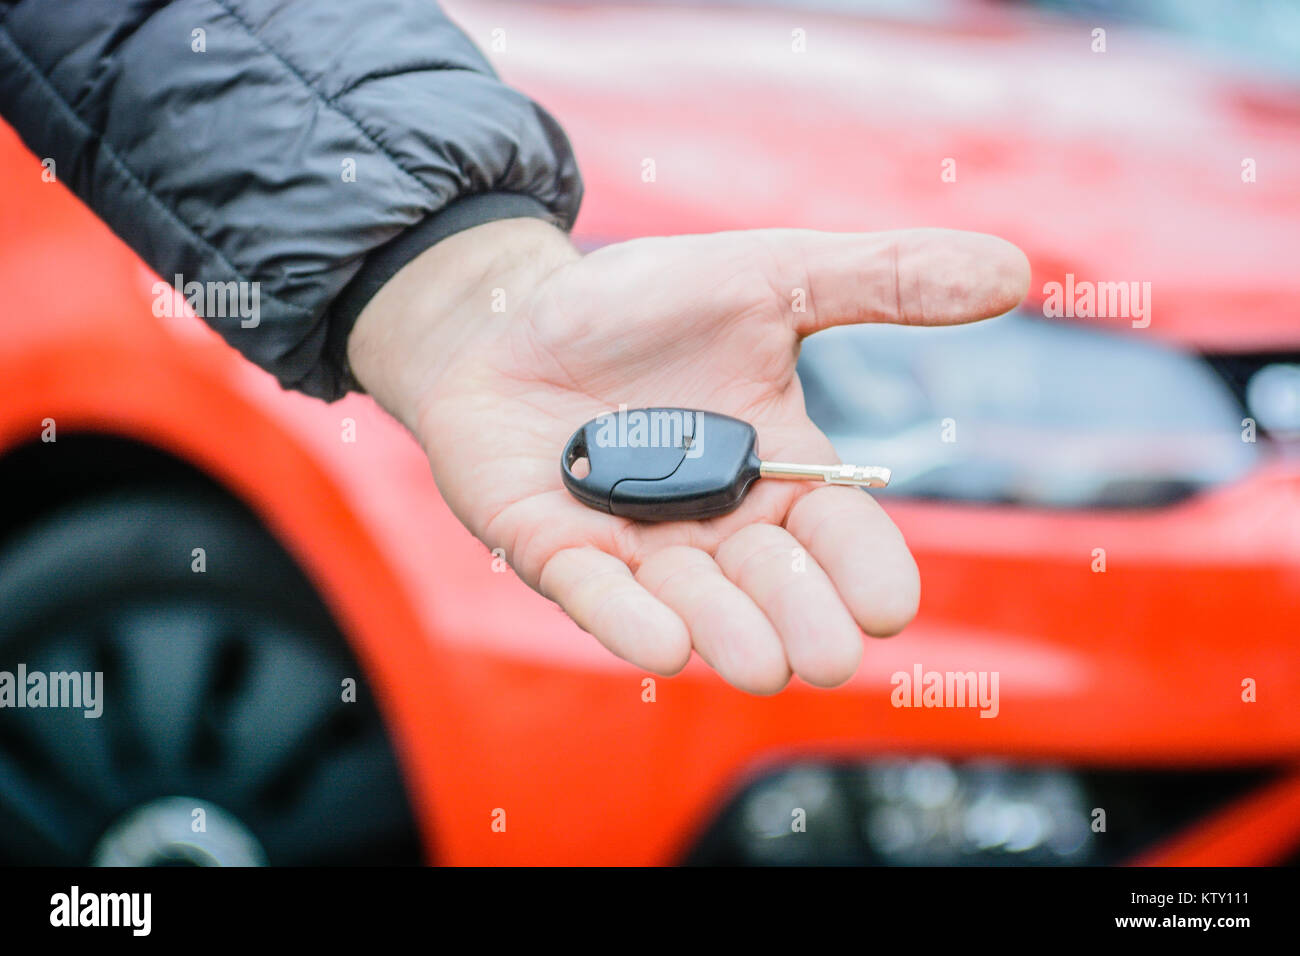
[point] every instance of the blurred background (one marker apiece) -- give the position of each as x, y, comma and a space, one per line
306, 660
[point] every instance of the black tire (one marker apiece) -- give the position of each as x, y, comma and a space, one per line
222, 691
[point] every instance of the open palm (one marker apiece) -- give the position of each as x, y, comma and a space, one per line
791, 579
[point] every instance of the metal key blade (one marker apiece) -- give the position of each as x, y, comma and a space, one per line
870, 476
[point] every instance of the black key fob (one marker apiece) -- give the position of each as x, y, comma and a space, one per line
662, 464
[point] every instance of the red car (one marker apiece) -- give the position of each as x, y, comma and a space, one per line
1106, 512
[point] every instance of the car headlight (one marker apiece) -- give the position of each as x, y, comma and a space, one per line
1273, 396
927, 811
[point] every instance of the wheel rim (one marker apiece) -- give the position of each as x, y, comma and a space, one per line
215, 694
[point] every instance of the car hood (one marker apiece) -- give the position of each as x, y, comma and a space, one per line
1118, 166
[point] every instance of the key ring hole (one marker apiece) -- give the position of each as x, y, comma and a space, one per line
576, 462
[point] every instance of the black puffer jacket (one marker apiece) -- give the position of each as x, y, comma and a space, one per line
312, 146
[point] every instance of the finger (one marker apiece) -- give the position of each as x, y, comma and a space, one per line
598, 591
910, 277
727, 628
863, 552
822, 643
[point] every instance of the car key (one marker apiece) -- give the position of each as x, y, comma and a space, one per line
676, 464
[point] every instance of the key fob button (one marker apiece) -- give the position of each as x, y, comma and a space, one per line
711, 479
616, 453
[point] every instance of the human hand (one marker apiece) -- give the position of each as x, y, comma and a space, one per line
695, 322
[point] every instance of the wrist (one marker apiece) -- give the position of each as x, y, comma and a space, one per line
464, 288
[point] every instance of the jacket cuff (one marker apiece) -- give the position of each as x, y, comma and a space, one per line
385, 261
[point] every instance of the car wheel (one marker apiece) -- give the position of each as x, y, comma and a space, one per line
223, 733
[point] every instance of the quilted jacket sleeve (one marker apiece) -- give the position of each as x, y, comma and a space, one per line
310, 146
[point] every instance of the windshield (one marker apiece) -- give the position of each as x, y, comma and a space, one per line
1021, 409
1262, 33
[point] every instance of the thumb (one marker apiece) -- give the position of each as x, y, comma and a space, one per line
909, 277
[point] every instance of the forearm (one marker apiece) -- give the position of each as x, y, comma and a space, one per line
227, 144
